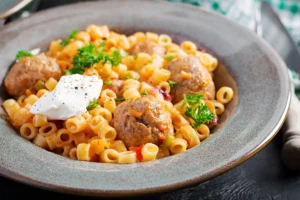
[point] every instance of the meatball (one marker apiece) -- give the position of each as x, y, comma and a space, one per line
148, 47
141, 121
200, 81
28, 70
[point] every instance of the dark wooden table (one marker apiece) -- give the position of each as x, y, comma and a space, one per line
262, 177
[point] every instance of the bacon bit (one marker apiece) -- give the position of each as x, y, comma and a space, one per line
186, 75
138, 151
135, 113
28, 92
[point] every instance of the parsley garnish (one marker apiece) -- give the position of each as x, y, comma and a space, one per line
119, 99
144, 92
69, 38
107, 82
197, 110
127, 76
172, 83
115, 58
89, 55
92, 104
22, 54
169, 58
135, 57
102, 45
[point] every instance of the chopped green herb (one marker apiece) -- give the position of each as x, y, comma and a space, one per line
22, 54
115, 58
197, 110
89, 55
172, 83
127, 76
169, 58
102, 45
144, 92
119, 99
69, 38
107, 82
165, 40
86, 57
149, 61
92, 104
135, 57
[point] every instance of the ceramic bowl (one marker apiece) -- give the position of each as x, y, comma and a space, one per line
252, 68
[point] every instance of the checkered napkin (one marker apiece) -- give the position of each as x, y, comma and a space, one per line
243, 11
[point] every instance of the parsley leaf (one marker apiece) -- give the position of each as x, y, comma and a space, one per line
102, 45
119, 99
69, 38
22, 54
92, 104
115, 58
169, 58
172, 83
135, 57
86, 57
144, 92
89, 55
127, 76
107, 82
197, 110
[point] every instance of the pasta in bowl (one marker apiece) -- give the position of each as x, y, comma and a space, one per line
106, 97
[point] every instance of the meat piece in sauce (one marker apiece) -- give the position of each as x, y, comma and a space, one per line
148, 47
141, 121
28, 70
200, 81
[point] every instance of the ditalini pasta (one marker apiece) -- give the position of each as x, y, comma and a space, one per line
103, 96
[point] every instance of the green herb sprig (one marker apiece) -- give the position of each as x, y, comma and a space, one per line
23, 53
69, 38
92, 104
119, 99
89, 55
169, 58
197, 110
144, 92
107, 82
172, 83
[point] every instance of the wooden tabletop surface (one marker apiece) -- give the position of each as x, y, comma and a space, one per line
262, 177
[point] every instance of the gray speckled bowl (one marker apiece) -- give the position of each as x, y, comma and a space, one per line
250, 122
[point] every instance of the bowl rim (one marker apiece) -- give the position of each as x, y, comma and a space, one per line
173, 186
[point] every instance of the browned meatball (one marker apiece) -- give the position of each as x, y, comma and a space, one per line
148, 47
200, 82
28, 70
141, 121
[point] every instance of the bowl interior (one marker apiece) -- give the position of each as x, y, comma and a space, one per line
255, 72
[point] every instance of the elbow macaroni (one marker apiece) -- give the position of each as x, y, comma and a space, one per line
91, 136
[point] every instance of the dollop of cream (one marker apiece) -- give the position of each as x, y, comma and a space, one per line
70, 97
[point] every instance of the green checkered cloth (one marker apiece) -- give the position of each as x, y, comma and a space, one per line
243, 11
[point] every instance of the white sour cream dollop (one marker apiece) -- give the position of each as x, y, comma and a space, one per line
70, 97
